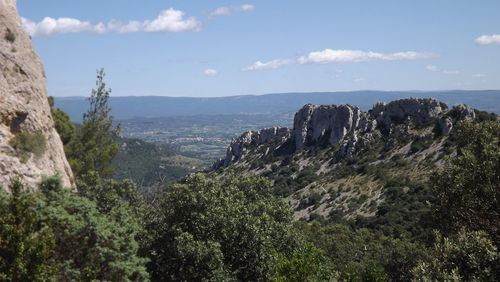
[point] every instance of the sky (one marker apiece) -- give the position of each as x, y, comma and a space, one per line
223, 48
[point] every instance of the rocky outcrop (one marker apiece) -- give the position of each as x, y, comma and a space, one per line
445, 125
462, 112
328, 123
252, 139
417, 109
350, 128
24, 109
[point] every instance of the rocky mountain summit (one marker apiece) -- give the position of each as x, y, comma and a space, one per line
29, 145
346, 126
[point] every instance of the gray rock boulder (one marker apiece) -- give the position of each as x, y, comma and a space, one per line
416, 109
463, 112
24, 108
445, 125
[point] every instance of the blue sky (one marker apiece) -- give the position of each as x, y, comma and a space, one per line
222, 48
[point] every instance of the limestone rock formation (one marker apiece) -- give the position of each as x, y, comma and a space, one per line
29, 145
329, 123
463, 112
417, 109
446, 125
252, 139
348, 127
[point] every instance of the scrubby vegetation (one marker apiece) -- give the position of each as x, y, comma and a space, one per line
151, 165
27, 144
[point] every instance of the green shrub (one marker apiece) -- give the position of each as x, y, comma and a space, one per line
26, 143
420, 144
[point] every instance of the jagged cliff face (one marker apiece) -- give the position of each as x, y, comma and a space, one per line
346, 126
29, 145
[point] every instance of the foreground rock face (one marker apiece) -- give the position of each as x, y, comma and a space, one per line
24, 109
346, 126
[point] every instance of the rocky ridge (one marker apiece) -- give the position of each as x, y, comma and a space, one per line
341, 162
239, 146
346, 126
29, 145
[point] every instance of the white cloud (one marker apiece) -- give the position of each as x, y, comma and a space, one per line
226, 11
221, 11
50, 26
268, 65
329, 56
210, 72
245, 8
488, 39
437, 69
170, 20
479, 75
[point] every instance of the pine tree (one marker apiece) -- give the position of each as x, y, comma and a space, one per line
94, 145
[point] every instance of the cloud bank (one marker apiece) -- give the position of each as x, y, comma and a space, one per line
170, 20
488, 39
226, 11
436, 69
329, 56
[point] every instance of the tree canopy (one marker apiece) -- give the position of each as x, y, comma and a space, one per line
214, 228
468, 189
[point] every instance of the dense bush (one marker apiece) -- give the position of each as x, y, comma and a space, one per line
468, 189
54, 234
210, 229
362, 254
467, 256
26, 243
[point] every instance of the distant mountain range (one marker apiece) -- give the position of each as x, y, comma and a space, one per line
159, 106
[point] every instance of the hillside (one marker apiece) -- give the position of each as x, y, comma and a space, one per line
341, 164
158, 106
151, 165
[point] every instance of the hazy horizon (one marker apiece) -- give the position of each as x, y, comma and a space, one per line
305, 92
